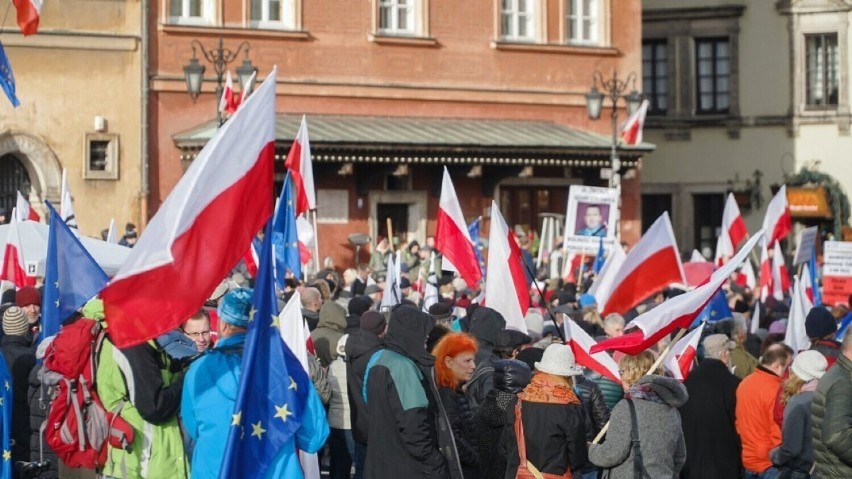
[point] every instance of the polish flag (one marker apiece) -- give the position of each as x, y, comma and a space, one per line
746, 276
14, 270
780, 275
631, 132
302, 170
246, 89
570, 267
797, 336
733, 223
765, 273
66, 206
112, 237
652, 264
185, 251
251, 259
755, 318
677, 312
506, 286
25, 212
697, 257
777, 222
228, 102
452, 238
28, 15
602, 286
581, 343
681, 357
305, 234
806, 282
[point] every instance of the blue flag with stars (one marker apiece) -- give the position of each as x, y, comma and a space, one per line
473, 229
6, 414
285, 236
273, 389
716, 310
7, 79
812, 266
600, 258
71, 275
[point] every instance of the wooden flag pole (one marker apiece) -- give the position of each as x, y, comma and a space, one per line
316, 241
390, 234
653, 368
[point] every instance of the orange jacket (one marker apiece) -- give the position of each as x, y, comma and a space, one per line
757, 429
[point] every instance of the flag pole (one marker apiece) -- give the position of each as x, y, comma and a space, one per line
653, 368
547, 306
316, 241
390, 234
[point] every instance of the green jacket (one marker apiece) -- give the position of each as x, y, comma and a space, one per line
744, 363
831, 411
138, 380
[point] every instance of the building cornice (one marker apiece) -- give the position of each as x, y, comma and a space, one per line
71, 40
698, 13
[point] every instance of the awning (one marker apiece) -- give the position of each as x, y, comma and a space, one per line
376, 139
809, 203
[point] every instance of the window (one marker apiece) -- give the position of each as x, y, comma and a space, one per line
713, 70
273, 14
654, 205
396, 17
822, 70
518, 20
191, 12
101, 156
655, 71
583, 21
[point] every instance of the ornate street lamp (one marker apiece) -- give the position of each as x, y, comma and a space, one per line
220, 57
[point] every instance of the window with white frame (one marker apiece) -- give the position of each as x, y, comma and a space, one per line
823, 67
192, 12
398, 17
518, 20
273, 14
583, 21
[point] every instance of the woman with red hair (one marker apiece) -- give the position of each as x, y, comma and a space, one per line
454, 365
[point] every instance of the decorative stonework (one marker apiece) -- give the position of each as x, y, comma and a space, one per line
41, 163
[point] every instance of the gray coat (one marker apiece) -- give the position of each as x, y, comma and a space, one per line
796, 450
832, 422
660, 434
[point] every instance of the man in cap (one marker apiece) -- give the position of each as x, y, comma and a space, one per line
374, 292
20, 359
442, 313
821, 328
709, 430
29, 300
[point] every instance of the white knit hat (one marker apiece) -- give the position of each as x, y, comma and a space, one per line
558, 359
809, 365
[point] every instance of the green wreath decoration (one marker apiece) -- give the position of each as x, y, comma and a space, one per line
836, 197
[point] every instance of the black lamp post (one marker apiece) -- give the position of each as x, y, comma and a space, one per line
220, 57
614, 88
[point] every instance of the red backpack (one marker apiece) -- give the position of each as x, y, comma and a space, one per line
78, 427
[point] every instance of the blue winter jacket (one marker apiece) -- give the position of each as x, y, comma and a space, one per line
209, 394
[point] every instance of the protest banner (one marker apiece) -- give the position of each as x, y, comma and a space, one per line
805, 245
590, 216
837, 272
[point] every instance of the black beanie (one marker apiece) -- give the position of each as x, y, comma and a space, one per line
820, 323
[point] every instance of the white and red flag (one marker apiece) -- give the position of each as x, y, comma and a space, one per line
302, 170
777, 222
780, 275
681, 356
806, 282
14, 269
733, 231
677, 312
28, 15
765, 273
796, 336
506, 288
245, 90
201, 230
652, 264
605, 280
581, 344
631, 132
66, 206
452, 238
746, 276
24, 210
112, 237
228, 102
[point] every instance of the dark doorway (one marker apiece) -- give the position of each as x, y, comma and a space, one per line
652, 207
521, 205
13, 178
398, 214
707, 213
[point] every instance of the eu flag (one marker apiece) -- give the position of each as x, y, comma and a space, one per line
473, 229
6, 467
285, 236
812, 266
7, 79
716, 310
71, 276
273, 389
600, 258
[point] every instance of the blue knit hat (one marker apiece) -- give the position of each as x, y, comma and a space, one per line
235, 307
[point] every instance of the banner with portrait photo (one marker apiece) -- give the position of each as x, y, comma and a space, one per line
590, 216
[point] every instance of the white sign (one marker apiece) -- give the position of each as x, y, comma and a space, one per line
805, 245
837, 258
590, 217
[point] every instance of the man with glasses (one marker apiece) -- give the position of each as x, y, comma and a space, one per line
197, 328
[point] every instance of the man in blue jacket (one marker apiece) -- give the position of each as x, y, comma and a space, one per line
210, 391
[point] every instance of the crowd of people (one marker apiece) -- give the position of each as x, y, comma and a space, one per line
444, 389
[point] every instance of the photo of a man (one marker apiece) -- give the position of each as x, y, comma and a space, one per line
590, 219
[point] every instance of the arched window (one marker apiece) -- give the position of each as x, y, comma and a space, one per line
13, 178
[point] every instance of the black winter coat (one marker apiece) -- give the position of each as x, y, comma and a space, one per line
359, 349
713, 448
832, 425
485, 325
39, 401
464, 430
597, 412
20, 359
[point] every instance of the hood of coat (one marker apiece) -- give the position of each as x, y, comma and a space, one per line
361, 342
669, 390
511, 375
408, 329
486, 324
332, 316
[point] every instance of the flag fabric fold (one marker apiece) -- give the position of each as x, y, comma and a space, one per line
733, 225
430, 294
581, 344
228, 101
14, 269
7, 467
285, 236
605, 280
71, 275
299, 165
452, 237
66, 206
817, 294
765, 273
631, 132
28, 13
25, 211
202, 228
777, 223
716, 310
677, 312
780, 276
7, 78
600, 258
796, 336
506, 288
392, 295
112, 237
681, 357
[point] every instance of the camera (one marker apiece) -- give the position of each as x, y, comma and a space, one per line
31, 469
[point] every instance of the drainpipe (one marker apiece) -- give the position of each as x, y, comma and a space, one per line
143, 154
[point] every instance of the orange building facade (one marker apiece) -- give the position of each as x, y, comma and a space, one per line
394, 90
